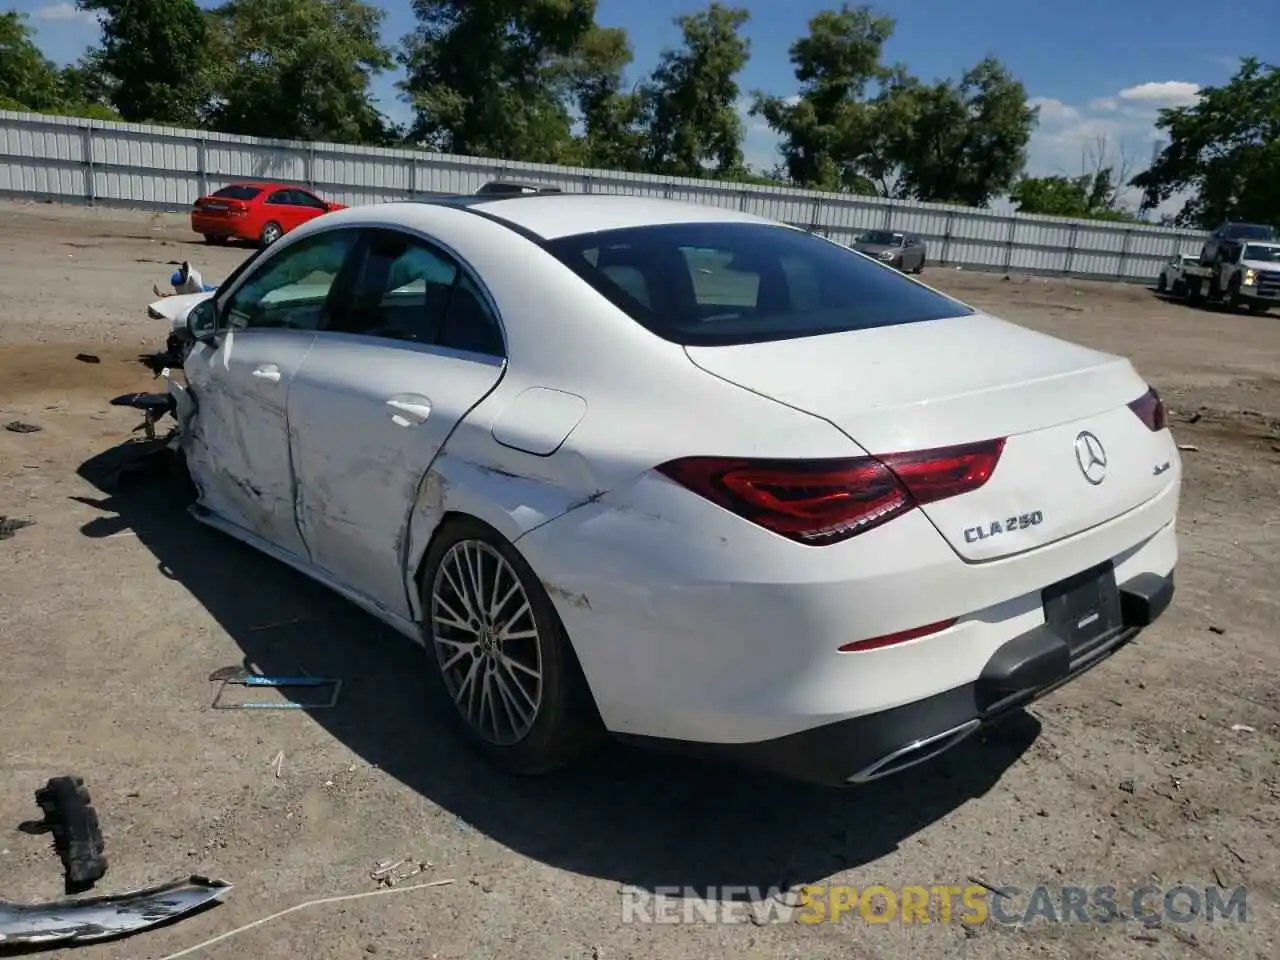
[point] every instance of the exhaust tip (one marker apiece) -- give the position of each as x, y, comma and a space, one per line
918, 751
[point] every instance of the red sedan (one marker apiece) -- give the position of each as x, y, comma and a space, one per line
261, 213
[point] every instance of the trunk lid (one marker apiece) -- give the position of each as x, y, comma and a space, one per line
961, 380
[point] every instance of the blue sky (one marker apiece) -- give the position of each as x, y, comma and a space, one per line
1098, 68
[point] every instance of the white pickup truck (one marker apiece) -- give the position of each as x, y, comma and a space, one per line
1240, 265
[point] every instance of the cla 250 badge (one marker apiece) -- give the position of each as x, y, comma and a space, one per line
1022, 521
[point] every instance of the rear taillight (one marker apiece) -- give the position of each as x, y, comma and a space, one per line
819, 502
1150, 410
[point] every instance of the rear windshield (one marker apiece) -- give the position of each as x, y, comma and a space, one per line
718, 284
238, 192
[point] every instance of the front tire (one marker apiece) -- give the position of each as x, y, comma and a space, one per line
1162, 284
919, 267
500, 656
1235, 302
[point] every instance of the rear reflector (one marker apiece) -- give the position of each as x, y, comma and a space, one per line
889, 639
819, 502
1150, 410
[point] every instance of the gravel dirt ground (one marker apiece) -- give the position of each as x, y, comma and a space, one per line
1159, 767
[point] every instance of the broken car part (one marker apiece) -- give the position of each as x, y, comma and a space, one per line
242, 677
11, 525
100, 918
77, 838
154, 407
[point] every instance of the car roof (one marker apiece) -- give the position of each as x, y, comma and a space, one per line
553, 215
265, 185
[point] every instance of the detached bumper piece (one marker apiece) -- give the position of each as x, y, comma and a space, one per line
1087, 619
102, 918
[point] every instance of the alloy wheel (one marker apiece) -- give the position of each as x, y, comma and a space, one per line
487, 642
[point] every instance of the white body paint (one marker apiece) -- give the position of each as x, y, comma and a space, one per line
689, 622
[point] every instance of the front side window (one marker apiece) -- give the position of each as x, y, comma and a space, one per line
401, 289
713, 284
291, 289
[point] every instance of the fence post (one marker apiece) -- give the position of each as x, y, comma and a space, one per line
311, 165
413, 175
86, 144
202, 166
1071, 250
888, 217
1124, 254
815, 213
1008, 245
946, 237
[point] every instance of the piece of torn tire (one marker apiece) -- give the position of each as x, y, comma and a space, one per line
101, 918
77, 837
11, 525
87, 358
17, 426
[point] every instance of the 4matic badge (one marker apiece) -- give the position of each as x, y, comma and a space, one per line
1022, 521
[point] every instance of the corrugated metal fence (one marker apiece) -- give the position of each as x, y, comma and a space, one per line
135, 165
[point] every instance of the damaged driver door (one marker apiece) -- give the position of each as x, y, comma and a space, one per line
239, 453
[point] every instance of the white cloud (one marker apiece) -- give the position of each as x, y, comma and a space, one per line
1053, 110
1069, 137
67, 11
1163, 93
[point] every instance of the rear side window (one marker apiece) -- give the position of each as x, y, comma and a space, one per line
719, 284
238, 192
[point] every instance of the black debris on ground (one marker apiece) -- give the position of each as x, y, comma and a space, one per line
11, 525
87, 358
17, 426
77, 837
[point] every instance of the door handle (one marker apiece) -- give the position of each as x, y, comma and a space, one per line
408, 411
268, 371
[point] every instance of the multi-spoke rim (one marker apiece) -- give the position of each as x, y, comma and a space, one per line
486, 641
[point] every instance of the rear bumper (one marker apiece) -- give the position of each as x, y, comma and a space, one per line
875, 745
221, 227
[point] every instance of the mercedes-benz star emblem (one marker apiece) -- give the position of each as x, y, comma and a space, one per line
1091, 457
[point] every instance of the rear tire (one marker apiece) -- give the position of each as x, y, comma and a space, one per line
271, 232
919, 267
1162, 284
513, 685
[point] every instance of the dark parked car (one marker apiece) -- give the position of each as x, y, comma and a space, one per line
906, 251
508, 188
1228, 236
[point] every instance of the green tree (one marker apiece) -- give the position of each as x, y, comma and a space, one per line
87, 82
1225, 150
1093, 195
828, 132
28, 80
298, 69
156, 52
492, 77
691, 100
609, 114
957, 142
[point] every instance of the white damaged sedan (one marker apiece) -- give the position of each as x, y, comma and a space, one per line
679, 474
